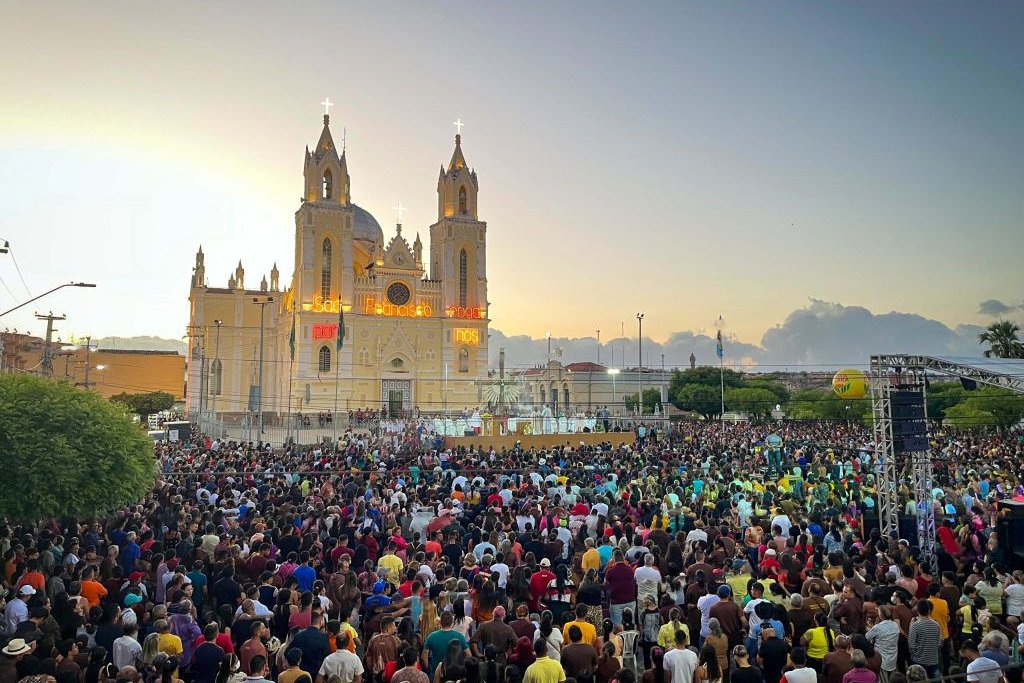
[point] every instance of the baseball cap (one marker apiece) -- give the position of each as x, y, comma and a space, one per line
26, 590
544, 563
378, 587
132, 599
135, 576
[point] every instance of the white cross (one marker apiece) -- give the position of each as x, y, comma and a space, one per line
400, 210
458, 126
327, 104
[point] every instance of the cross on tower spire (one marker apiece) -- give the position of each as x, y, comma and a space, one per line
399, 210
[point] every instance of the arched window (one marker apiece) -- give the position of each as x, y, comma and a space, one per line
463, 277
325, 359
325, 270
543, 396
462, 199
364, 356
463, 360
328, 184
216, 378
565, 398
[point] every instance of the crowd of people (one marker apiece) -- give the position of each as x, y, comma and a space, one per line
689, 558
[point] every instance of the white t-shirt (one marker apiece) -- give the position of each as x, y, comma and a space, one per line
984, 670
752, 618
1014, 599
502, 570
343, 663
681, 664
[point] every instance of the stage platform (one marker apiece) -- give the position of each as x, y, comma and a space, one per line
540, 441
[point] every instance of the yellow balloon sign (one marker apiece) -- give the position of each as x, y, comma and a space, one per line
850, 383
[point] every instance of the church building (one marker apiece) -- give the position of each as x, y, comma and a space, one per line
365, 322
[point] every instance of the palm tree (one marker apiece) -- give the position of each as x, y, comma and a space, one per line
1001, 336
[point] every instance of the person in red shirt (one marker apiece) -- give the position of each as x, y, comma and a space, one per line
539, 583
621, 587
33, 577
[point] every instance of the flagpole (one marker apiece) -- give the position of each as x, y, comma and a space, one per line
291, 375
721, 379
337, 370
337, 381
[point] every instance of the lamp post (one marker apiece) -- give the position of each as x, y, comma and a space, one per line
36, 298
613, 372
640, 364
219, 377
262, 302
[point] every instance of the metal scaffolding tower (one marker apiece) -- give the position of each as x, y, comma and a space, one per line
901, 377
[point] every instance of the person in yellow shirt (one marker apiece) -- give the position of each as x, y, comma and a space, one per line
588, 630
667, 632
591, 558
393, 564
545, 669
167, 643
940, 610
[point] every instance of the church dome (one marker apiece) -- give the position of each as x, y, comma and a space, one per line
365, 226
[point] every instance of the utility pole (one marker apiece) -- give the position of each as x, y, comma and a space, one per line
262, 302
640, 364
220, 371
88, 350
48, 349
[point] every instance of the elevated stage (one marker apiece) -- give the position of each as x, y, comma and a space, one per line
540, 441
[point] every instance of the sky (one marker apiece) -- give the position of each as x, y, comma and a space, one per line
771, 163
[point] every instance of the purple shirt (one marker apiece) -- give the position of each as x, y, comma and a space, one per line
860, 675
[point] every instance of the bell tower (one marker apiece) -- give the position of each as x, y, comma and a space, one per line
325, 171
458, 240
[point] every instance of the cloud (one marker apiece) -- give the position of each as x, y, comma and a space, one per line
820, 335
996, 308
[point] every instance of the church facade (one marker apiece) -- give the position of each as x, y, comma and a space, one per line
412, 326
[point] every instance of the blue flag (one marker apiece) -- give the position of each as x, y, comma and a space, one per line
719, 351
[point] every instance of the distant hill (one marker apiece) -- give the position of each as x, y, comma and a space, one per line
142, 344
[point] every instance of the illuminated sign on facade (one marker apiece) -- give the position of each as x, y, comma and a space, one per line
474, 313
325, 331
322, 305
372, 306
467, 336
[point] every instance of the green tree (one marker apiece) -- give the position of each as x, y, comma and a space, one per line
942, 396
652, 400
146, 404
705, 375
1001, 337
781, 392
67, 452
700, 398
755, 402
966, 416
815, 404
1006, 408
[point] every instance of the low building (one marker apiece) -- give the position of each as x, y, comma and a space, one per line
108, 371
578, 388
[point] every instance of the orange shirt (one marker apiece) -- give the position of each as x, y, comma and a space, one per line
93, 591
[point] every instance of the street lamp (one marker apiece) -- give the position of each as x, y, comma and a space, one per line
640, 365
262, 302
66, 284
613, 372
220, 371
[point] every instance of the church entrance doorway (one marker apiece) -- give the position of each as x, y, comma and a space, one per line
396, 396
